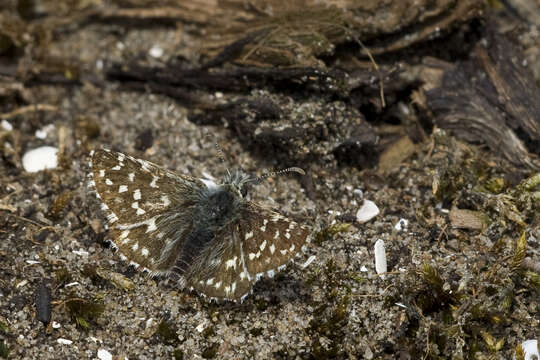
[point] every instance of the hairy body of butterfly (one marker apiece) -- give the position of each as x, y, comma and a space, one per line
206, 235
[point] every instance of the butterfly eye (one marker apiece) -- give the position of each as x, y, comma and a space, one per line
243, 191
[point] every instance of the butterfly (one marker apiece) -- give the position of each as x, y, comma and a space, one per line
205, 235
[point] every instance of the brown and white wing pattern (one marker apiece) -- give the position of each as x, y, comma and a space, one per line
205, 234
224, 275
270, 240
147, 206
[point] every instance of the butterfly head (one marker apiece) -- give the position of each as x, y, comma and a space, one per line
237, 181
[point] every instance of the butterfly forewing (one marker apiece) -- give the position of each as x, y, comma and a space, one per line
138, 197
270, 240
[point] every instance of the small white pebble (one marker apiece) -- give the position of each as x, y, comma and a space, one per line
6, 125
103, 354
363, 269
56, 325
41, 134
21, 284
64, 341
530, 349
402, 224
218, 95
32, 262
380, 257
41, 158
80, 252
148, 323
401, 305
367, 212
308, 261
75, 283
200, 327
156, 51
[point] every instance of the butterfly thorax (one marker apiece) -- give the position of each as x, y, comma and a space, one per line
218, 206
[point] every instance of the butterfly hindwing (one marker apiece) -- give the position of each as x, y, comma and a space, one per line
270, 240
224, 274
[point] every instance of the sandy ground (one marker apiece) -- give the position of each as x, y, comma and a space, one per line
337, 307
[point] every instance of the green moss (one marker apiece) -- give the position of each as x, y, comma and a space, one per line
432, 296
532, 280
519, 252
210, 352
495, 185
4, 350
208, 332
178, 354
329, 232
62, 276
166, 331
3, 327
60, 203
519, 352
329, 323
90, 272
85, 312
261, 304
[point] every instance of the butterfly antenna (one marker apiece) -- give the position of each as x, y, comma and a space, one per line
221, 155
274, 173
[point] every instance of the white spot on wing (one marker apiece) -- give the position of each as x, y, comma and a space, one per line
154, 180
231, 263
263, 245
145, 252
151, 224
165, 200
122, 188
131, 176
137, 194
117, 167
108, 182
101, 173
272, 249
249, 235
